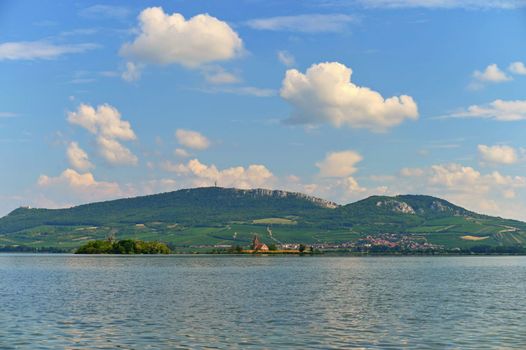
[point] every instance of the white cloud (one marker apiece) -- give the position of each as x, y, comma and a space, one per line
286, 58
339, 164
310, 23
82, 186
168, 39
195, 173
470, 186
181, 153
218, 75
293, 178
350, 185
105, 12
408, 172
199, 174
73, 188
339, 189
517, 68
492, 74
105, 122
325, 94
488, 193
456, 177
32, 50
132, 72
78, 158
178, 168
115, 153
499, 110
447, 4
192, 139
498, 154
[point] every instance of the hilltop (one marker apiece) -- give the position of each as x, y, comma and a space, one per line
228, 216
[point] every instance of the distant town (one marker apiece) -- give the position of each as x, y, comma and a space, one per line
385, 242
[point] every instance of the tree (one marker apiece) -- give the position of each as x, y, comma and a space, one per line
126, 246
237, 249
302, 248
272, 247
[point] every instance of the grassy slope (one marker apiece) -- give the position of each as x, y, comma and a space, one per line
228, 216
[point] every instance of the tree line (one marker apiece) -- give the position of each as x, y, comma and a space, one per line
123, 246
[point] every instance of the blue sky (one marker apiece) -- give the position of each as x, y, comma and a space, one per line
338, 99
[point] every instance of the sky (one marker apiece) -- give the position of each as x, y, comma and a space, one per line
337, 99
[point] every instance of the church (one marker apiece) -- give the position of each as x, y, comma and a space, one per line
259, 246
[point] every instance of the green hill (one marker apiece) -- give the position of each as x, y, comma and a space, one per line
210, 216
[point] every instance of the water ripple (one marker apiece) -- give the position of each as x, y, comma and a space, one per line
188, 302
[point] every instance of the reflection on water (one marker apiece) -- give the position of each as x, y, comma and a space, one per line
71, 302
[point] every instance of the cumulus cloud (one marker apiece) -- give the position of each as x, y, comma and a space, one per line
517, 68
115, 153
33, 50
169, 39
350, 185
199, 174
456, 177
341, 189
499, 110
339, 164
105, 122
310, 23
82, 186
192, 139
498, 154
286, 58
488, 193
492, 74
72, 188
78, 158
465, 179
325, 94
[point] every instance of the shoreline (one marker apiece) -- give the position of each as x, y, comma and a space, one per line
266, 254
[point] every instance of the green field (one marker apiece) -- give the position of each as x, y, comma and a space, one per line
216, 216
277, 221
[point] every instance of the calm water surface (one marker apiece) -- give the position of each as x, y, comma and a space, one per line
138, 302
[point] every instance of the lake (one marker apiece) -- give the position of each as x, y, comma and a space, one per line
229, 302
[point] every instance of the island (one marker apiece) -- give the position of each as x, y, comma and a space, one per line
123, 246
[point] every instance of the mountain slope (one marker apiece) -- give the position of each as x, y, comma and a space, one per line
216, 215
439, 220
199, 206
